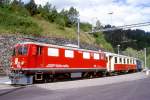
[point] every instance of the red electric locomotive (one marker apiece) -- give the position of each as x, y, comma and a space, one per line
33, 61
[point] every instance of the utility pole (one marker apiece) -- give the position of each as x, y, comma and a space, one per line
145, 57
111, 13
78, 33
118, 48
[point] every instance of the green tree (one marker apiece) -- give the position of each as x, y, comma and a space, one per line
18, 7
53, 14
86, 27
48, 12
32, 7
64, 14
131, 52
47, 7
98, 25
72, 16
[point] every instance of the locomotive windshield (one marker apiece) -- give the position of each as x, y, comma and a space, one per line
21, 50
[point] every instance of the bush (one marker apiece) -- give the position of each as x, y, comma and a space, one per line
13, 23
61, 22
85, 27
100, 39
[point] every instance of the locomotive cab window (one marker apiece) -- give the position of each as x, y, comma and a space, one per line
22, 50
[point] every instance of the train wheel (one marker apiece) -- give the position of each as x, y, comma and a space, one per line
99, 74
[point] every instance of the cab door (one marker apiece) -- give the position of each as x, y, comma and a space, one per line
40, 56
37, 56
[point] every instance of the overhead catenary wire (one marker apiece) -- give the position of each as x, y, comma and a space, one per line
121, 27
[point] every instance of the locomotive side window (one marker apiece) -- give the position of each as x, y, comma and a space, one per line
96, 56
69, 53
86, 55
53, 52
22, 50
102, 56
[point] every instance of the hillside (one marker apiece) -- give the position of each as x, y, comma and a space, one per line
12, 22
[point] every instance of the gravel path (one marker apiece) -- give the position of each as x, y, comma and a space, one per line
92, 82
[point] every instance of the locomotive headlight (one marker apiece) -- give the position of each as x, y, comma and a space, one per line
22, 62
16, 61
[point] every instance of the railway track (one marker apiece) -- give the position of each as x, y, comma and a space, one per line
76, 83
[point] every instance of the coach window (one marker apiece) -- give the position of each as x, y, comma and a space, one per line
131, 61
120, 60
127, 61
115, 59
96, 56
124, 60
134, 61
86, 55
53, 52
69, 53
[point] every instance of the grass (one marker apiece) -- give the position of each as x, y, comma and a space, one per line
53, 30
101, 41
13, 23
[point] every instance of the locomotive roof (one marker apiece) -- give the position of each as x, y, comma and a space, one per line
67, 47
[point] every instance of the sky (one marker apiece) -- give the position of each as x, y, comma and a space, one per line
124, 12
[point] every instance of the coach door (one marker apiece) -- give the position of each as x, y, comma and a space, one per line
109, 65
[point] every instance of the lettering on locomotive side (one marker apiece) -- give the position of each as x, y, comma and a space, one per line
57, 66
